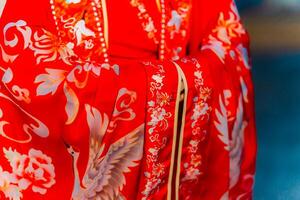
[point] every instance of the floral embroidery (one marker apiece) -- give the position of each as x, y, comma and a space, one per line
177, 25
48, 48
225, 31
146, 20
179, 18
157, 123
76, 50
177, 28
34, 171
201, 113
78, 26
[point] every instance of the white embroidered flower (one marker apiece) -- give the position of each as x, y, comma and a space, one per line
151, 186
157, 78
153, 151
8, 185
150, 26
191, 174
198, 74
175, 20
151, 103
40, 170
158, 115
193, 145
200, 109
16, 161
34, 170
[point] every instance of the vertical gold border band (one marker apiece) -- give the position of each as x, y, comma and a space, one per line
105, 21
181, 131
181, 77
170, 179
158, 4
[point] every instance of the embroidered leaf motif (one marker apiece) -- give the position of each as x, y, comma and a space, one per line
244, 56
222, 124
49, 82
236, 144
72, 105
176, 20
8, 76
217, 47
98, 125
244, 90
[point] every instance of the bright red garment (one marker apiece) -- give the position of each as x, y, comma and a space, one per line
74, 127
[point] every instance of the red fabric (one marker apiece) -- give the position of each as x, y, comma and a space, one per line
73, 127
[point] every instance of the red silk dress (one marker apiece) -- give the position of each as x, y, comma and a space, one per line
137, 124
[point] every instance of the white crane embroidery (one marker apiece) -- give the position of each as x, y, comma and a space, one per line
234, 145
104, 177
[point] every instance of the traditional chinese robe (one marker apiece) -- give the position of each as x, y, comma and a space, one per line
139, 127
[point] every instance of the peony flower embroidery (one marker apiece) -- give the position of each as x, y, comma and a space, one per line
34, 170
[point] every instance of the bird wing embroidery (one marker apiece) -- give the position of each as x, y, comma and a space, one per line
104, 177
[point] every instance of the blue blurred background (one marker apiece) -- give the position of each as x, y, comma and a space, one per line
274, 26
